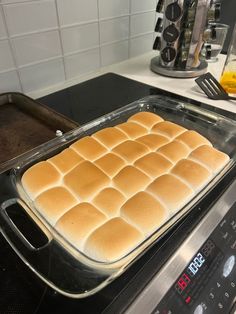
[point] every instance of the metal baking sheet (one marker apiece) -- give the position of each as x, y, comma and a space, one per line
25, 124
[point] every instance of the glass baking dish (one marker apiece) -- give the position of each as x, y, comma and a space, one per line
70, 272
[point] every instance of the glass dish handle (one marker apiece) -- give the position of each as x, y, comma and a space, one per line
210, 116
31, 233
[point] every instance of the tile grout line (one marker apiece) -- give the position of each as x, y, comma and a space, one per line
11, 48
99, 36
17, 2
61, 43
129, 39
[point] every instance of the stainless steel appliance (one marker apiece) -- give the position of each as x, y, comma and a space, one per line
201, 276
182, 32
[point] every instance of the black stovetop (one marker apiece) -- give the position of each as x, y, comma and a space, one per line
21, 292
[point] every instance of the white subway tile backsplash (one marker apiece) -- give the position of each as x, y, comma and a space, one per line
80, 37
42, 75
114, 30
45, 42
77, 11
142, 6
114, 53
9, 82
3, 33
140, 45
142, 23
28, 17
6, 60
113, 8
81, 63
36, 47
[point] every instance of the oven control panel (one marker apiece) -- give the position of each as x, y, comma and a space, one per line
208, 283
200, 277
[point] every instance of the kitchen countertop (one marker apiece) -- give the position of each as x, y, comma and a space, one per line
138, 69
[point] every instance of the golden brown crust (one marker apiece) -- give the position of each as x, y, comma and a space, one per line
130, 150
78, 222
89, 148
192, 139
168, 128
53, 203
86, 180
110, 137
144, 211
192, 172
130, 180
171, 191
146, 119
109, 201
40, 177
66, 160
112, 241
212, 158
110, 163
132, 129
174, 151
153, 164
153, 141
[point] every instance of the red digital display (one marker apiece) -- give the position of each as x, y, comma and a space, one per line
183, 282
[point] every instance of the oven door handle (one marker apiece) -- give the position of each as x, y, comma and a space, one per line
30, 233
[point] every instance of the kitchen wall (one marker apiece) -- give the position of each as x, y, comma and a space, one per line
46, 42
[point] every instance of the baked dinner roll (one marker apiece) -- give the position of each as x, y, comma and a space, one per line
130, 150
153, 141
78, 222
168, 129
146, 119
210, 157
112, 241
132, 129
153, 164
66, 160
144, 212
109, 201
110, 163
53, 203
110, 137
130, 180
192, 172
192, 139
171, 191
89, 148
40, 177
174, 151
86, 180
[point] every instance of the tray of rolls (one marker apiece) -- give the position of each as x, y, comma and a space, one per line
105, 192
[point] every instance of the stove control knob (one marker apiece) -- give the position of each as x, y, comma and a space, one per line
173, 12
198, 310
228, 266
